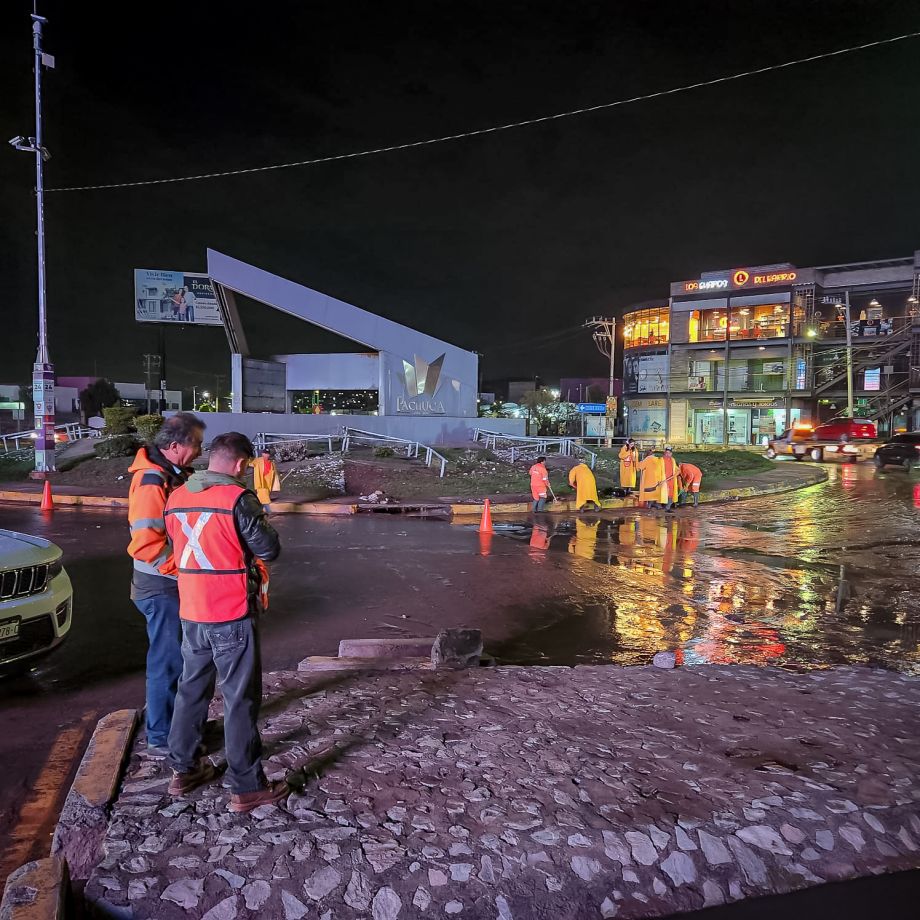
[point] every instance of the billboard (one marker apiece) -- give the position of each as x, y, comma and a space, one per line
181, 298
645, 373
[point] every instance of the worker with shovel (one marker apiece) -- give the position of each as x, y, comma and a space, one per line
539, 484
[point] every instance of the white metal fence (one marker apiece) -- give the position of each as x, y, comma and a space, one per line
567, 447
413, 449
73, 431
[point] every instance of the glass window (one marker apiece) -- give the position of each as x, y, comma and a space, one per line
764, 321
708, 325
646, 327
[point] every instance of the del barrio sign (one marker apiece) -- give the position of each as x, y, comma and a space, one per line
737, 279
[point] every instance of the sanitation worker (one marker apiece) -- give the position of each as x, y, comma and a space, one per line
221, 536
265, 478
539, 484
670, 476
582, 478
629, 460
691, 477
160, 467
651, 476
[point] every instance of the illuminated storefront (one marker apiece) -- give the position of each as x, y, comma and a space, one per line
741, 354
646, 327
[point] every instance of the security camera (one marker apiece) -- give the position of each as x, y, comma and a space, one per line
16, 141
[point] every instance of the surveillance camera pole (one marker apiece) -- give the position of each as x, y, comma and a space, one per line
43, 369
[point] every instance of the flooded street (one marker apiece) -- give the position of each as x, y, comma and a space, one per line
827, 575
812, 578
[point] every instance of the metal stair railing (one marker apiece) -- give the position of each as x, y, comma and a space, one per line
895, 344
412, 448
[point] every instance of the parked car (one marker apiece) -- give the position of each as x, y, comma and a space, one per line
902, 450
36, 599
853, 429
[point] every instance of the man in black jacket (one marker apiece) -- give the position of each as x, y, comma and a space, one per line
220, 534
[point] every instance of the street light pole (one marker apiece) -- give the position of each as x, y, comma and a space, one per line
43, 369
846, 302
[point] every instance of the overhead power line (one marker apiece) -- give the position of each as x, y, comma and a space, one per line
494, 129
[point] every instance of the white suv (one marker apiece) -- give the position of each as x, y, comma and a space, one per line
35, 599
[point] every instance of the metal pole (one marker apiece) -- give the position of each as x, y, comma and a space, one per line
43, 369
846, 302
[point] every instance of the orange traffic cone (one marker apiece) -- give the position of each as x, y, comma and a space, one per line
485, 542
485, 525
47, 500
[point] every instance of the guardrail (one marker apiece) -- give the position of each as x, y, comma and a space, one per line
412, 448
73, 431
266, 439
567, 446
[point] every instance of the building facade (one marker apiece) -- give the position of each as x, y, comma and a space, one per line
738, 355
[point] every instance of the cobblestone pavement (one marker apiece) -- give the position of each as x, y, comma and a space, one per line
535, 793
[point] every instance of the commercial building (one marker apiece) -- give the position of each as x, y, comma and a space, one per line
737, 355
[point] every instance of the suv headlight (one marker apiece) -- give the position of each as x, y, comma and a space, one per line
55, 568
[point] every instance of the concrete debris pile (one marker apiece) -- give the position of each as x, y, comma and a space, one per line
377, 498
327, 471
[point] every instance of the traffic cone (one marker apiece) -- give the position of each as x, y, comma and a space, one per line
47, 500
485, 542
485, 525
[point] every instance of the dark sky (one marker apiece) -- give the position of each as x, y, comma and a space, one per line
490, 242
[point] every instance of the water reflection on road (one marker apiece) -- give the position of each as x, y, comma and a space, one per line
821, 576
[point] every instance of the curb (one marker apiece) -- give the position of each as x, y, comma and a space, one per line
34, 498
37, 891
814, 477
461, 509
84, 817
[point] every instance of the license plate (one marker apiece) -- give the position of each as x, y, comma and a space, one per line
9, 629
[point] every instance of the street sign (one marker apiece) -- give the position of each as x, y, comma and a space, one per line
591, 408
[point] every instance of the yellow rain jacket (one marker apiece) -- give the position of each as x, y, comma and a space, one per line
265, 478
629, 460
581, 477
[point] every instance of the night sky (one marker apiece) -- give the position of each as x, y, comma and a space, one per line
493, 243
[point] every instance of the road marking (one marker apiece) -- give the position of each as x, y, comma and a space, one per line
31, 837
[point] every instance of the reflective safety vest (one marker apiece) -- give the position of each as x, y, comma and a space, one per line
211, 560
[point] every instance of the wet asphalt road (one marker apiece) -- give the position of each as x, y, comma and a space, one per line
815, 577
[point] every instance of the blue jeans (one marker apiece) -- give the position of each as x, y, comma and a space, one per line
228, 652
539, 505
164, 663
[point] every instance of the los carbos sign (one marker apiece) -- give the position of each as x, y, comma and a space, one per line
739, 279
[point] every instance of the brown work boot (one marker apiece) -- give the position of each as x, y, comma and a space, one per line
184, 783
268, 795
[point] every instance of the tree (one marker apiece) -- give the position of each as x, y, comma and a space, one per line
97, 396
541, 406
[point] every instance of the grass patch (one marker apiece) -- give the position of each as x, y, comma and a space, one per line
717, 465
16, 466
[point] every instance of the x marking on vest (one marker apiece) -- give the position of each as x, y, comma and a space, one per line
193, 535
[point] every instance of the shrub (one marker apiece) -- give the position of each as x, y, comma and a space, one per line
384, 452
118, 420
119, 445
148, 425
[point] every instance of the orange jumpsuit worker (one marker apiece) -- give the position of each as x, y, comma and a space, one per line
629, 460
691, 476
539, 484
265, 478
652, 473
669, 479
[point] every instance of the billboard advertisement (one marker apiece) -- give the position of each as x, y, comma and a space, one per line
181, 298
645, 373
